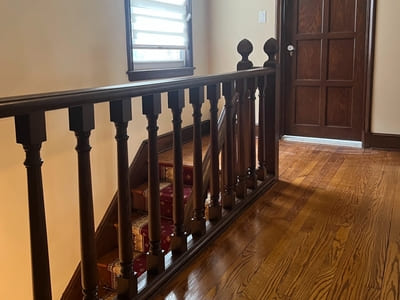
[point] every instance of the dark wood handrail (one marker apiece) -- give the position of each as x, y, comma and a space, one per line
17, 105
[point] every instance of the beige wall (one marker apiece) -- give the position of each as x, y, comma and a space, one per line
58, 45
386, 99
232, 21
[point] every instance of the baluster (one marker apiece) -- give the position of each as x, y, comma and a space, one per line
228, 200
121, 114
271, 118
241, 187
214, 208
235, 137
81, 121
196, 96
151, 106
262, 164
176, 102
31, 132
251, 173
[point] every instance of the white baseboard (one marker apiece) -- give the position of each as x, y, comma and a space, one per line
333, 142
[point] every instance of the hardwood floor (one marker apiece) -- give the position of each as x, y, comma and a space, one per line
329, 229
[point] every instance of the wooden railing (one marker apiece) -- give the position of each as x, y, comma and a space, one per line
226, 201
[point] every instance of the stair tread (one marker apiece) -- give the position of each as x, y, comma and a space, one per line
109, 257
140, 193
109, 268
187, 150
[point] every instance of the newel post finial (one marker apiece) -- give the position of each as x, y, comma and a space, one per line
271, 49
244, 48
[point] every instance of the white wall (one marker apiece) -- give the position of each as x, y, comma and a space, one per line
59, 45
386, 99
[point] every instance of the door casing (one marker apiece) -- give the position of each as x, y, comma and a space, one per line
369, 65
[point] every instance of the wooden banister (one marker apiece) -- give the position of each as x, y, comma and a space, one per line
18, 105
234, 133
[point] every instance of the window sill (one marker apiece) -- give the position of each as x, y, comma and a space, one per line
159, 74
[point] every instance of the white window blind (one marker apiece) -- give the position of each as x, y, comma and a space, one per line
159, 33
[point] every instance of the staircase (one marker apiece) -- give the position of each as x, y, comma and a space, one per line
108, 265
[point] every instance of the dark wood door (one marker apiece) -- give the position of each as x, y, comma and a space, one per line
323, 95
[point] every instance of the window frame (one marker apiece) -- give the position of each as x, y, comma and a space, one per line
135, 75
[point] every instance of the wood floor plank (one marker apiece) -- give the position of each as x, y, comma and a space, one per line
330, 229
362, 264
391, 280
316, 280
242, 272
304, 246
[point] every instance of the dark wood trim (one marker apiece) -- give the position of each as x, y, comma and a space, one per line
281, 37
382, 141
189, 51
128, 32
18, 105
369, 66
159, 73
370, 63
106, 237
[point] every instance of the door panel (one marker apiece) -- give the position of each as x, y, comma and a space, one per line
325, 72
308, 51
340, 59
342, 15
338, 106
309, 16
307, 97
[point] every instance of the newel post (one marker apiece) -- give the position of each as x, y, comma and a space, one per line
244, 48
271, 126
31, 133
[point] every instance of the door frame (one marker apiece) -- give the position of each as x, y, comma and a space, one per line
368, 60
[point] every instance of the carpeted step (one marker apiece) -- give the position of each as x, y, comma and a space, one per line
140, 231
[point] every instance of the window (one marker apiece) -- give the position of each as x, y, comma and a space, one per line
159, 38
